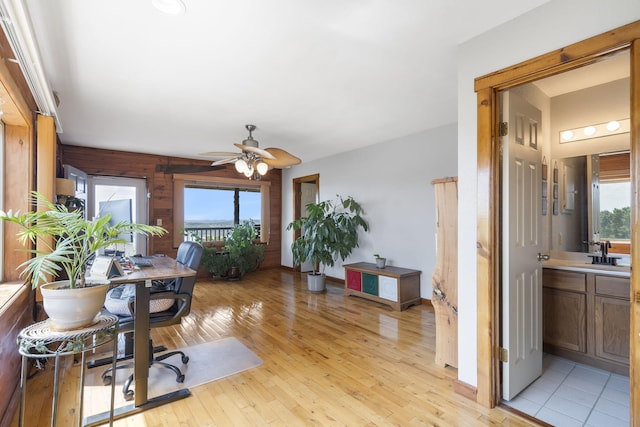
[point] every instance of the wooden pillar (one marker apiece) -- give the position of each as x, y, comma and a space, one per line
445, 273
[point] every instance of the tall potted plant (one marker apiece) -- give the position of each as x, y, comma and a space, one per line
328, 232
71, 241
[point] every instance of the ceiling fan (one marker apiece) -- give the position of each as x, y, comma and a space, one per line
254, 161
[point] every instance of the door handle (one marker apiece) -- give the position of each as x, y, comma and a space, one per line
543, 257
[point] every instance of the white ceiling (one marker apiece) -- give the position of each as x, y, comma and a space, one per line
316, 77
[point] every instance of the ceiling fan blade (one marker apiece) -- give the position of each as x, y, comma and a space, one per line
282, 158
218, 154
259, 151
224, 161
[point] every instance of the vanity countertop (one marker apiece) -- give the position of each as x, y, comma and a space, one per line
587, 267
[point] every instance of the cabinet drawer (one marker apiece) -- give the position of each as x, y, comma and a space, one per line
354, 280
613, 286
370, 284
388, 288
564, 280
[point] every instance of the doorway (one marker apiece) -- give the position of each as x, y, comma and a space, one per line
488, 263
305, 191
126, 200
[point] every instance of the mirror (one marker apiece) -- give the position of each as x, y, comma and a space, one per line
594, 201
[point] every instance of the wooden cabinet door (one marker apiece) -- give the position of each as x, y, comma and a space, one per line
612, 328
565, 319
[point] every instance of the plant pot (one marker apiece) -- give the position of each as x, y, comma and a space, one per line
234, 274
381, 262
316, 282
71, 309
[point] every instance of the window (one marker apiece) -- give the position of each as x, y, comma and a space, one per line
615, 210
193, 198
211, 212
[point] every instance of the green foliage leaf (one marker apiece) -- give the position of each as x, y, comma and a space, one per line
329, 232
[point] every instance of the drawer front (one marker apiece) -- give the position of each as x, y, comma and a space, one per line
564, 280
370, 284
354, 280
388, 288
613, 286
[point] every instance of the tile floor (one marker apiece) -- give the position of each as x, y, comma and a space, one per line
572, 394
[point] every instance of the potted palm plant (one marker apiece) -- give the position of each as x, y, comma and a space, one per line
71, 241
328, 232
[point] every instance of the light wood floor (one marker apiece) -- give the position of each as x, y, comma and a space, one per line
328, 360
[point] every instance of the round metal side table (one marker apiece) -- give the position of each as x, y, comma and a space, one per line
39, 341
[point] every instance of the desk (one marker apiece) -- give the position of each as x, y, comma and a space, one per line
163, 268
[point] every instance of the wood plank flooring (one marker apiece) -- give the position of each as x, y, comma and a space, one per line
328, 360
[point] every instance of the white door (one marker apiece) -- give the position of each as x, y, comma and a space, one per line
521, 222
308, 195
125, 199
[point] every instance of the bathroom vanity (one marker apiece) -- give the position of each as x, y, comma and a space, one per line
586, 313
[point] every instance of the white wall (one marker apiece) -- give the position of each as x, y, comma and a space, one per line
392, 182
546, 28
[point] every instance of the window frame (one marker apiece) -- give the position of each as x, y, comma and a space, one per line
180, 181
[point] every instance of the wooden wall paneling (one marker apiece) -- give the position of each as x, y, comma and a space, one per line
18, 183
15, 314
160, 184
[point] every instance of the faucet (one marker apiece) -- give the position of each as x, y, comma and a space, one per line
604, 247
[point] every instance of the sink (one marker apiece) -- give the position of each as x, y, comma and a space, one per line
604, 259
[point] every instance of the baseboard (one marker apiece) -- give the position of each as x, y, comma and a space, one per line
466, 390
427, 302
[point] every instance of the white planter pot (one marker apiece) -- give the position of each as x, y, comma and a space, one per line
71, 309
315, 283
381, 262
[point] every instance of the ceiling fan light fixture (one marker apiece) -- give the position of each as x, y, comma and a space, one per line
248, 172
262, 167
241, 165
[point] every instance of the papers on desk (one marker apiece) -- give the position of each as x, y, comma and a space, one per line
103, 269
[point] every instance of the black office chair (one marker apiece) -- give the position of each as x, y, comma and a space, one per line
176, 294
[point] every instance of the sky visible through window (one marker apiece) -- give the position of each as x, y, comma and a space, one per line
215, 206
615, 195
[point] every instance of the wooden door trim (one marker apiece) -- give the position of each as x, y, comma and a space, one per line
488, 214
297, 189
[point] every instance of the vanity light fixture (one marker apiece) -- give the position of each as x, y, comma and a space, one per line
613, 127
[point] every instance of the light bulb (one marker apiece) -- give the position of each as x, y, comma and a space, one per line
613, 126
241, 165
589, 130
567, 135
249, 171
262, 168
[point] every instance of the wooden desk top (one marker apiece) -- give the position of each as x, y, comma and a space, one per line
163, 268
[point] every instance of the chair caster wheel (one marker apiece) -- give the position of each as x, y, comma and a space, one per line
185, 359
128, 395
106, 380
180, 379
